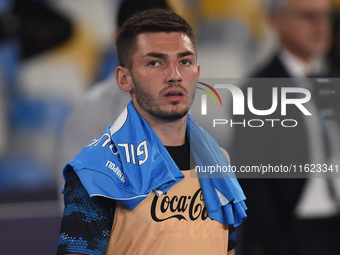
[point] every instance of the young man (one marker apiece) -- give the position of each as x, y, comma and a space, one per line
128, 191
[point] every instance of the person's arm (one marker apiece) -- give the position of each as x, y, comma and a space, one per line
231, 240
86, 222
232, 252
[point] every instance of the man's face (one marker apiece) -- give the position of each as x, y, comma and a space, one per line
161, 72
304, 27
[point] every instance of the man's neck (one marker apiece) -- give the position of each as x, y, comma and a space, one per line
302, 56
170, 133
297, 67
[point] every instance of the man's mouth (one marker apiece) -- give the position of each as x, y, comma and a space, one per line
173, 93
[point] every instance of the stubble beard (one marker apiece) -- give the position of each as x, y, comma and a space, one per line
148, 103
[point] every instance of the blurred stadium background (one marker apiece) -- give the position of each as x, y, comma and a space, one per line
51, 52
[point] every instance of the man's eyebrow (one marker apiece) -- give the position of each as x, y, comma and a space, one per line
164, 56
155, 55
186, 53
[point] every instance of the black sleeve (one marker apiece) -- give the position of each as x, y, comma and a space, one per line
232, 238
86, 222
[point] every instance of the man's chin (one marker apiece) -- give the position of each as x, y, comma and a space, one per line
172, 115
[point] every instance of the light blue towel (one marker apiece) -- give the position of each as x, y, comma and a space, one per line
129, 161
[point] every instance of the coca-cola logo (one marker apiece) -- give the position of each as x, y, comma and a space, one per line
179, 207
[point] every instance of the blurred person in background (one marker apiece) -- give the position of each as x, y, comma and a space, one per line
334, 54
300, 216
304, 35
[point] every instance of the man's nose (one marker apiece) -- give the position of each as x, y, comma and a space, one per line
173, 74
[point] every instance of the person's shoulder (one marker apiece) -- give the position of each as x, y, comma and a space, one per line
271, 68
104, 89
101, 104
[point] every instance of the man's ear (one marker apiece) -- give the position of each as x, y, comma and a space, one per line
124, 79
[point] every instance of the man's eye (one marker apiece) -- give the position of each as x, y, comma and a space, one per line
153, 63
186, 62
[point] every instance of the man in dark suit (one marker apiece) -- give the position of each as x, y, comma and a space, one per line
303, 29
